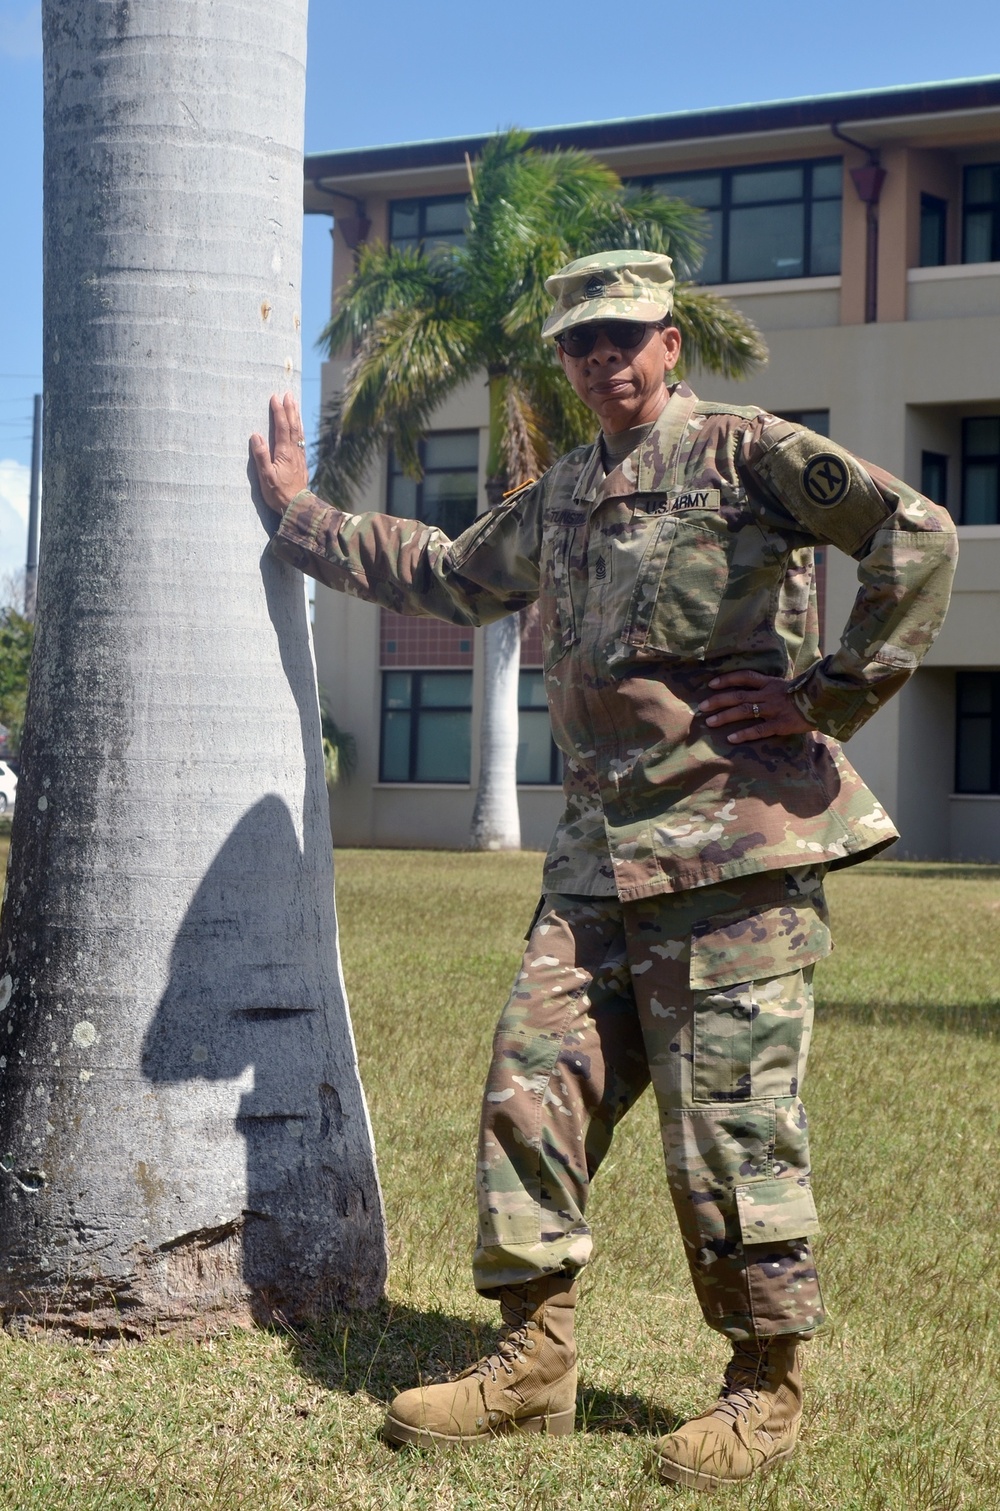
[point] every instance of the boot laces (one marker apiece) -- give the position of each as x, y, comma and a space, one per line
741, 1385
509, 1351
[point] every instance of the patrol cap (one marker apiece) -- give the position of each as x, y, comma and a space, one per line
622, 285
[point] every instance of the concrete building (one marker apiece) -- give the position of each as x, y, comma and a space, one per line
861, 232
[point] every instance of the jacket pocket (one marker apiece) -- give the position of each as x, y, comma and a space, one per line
751, 981
679, 587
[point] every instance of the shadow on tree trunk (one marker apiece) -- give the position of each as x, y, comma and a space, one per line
226, 1016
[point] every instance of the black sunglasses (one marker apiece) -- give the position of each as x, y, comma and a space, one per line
580, 340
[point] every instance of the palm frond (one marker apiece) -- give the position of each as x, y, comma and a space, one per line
340, 749
343, 457
388, 278
409, 359
649, 221
563, 420
716, 335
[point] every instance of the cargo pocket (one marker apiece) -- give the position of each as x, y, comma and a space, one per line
753, 1001
679, 587
774, 1211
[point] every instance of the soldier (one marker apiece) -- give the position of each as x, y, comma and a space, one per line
706, 797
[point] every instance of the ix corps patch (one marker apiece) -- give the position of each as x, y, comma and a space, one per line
680, 503
825, 479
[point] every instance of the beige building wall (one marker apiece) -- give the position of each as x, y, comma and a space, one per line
893, 389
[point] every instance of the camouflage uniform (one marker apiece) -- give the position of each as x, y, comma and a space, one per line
708, 994
682, 907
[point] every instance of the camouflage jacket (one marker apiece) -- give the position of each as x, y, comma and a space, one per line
693, 557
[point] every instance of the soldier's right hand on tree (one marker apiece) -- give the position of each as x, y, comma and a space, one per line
281, 467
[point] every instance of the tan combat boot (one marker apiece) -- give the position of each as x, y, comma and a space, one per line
527, 1385
753, 1424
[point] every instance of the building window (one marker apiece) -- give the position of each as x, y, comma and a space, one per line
426, 727
934, 477
779, 221
440, 221
447, 494
981, 470
933, 231
813, 419
977, 730
981, 213
539, 759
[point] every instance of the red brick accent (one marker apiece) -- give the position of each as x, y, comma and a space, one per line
425, 643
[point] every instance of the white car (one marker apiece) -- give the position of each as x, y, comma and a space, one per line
8, 787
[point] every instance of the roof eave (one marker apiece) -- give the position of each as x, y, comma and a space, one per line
740, 120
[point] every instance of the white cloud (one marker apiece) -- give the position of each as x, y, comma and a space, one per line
22, 35
15, 483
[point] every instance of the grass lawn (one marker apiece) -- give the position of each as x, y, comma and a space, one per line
903, 1404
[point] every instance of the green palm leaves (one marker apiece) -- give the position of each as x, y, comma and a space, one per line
421, 324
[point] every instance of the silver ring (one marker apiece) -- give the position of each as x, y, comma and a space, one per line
302, 444
755, 710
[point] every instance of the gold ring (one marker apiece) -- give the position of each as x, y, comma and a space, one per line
755, 710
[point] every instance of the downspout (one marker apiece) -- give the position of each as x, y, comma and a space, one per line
353, 228
868, 181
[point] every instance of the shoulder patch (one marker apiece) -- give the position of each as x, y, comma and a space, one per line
825, 478
823, 487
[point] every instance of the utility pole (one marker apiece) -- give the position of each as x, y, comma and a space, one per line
31, 566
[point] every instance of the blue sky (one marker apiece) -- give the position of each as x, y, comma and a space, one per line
390, 71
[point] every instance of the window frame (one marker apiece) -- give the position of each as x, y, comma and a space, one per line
804, 416
393, 471
417, 707
555, 754
423, 203
726, 206
934, 212
992, 458
993, 718
978, 206
939, 461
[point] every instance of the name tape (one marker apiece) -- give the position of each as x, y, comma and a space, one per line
699, 498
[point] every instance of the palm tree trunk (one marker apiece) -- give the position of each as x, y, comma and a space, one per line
496, 820
184, 1131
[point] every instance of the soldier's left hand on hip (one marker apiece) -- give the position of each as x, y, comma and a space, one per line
760, 707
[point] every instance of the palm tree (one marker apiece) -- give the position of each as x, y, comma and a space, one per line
422, 323
184, 1136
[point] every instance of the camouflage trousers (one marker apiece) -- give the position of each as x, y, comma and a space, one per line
708, 995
